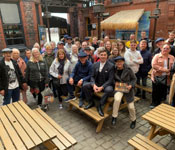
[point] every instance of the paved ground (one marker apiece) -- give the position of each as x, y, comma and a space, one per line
82, 128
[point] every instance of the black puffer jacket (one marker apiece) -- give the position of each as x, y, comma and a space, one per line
5, 80
36, 72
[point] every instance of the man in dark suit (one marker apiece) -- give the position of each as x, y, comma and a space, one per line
101, 80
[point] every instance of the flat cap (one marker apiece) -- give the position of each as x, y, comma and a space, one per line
60, 42
65, 36
119, 58
86, 38
82, 54
6, 50
69, 38
159, 39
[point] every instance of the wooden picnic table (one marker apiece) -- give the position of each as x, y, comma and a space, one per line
161, 119
21, 128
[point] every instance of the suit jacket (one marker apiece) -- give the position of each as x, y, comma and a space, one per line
107, 71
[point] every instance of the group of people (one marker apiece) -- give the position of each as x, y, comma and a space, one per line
93, 66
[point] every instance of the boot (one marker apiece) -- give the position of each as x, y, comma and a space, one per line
133, 124
114, 120
90, 104
143, 95
100, 110
81, 102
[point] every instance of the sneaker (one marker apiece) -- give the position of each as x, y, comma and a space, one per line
70, 98
60, 106
152, 106
39, 106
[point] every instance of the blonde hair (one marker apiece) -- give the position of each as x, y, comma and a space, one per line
32, 59
36, 45
15, 50
48, 46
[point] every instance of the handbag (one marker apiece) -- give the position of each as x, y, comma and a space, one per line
161, 80
56, 81
121, 87
48, 96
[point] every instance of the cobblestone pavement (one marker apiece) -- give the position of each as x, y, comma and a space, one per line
82, 128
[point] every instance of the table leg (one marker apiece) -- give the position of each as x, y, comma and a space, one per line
151, 134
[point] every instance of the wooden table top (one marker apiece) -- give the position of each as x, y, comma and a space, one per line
162, 116
21, 128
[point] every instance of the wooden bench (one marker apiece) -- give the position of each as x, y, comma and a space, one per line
21, 129
145, 88
63, 140
1, 145
92, 112
140, 142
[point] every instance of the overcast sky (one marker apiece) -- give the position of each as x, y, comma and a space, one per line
62, 15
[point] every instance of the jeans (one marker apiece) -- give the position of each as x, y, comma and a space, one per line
12, 93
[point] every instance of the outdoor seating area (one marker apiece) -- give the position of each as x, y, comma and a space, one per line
161, 119
21, 128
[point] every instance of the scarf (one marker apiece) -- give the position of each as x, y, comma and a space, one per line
61, 67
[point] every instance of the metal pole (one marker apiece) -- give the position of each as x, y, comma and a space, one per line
99, 26
47, 17
155, 25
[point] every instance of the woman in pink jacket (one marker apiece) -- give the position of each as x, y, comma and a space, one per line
22, 65
161, 64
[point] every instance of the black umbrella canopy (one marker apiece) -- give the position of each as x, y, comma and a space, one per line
56, 22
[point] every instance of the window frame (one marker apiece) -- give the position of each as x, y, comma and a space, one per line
20, 25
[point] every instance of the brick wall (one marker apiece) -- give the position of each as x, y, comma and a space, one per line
2, 38
165, 23
29, 19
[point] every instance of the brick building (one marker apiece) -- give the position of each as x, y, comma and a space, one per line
80, 17
19, 22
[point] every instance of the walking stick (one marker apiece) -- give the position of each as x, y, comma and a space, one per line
171, 94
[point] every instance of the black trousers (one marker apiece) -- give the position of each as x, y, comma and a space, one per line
159, 93
61, 90
88, 92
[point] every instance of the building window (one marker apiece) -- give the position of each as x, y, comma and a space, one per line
12, 26
119, 1
37, 13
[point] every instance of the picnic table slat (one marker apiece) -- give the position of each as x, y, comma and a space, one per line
144, 144
57, 127
11, 131
167, 123
136, 145
167, 108
1, 145
19, 116
58, 144
165, 118
150, 142
60, 137
36, 127
90, 112
164, 113
5, 138
157, 122
21, 132
48, 131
